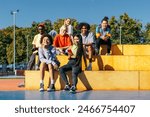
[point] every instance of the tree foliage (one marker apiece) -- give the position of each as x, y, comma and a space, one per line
146, 33
129, 29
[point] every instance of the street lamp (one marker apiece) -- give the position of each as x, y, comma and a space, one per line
120, 34
27, 47
14, 25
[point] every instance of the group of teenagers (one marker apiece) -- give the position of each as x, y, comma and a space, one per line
74, 45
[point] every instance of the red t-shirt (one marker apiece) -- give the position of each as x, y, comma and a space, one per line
62, 41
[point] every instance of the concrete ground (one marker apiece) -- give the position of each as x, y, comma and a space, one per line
9, 90
11, 84
80, 95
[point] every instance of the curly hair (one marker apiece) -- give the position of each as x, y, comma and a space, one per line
84, 24
49, 37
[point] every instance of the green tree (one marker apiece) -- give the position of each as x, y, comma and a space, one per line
130, 29
5, 41
48, 25
114, 29
20, 46
3, 45
146, 33
57, 24
93, 28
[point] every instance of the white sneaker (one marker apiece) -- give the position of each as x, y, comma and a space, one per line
41, 87
48, 89
108, 54
36, 67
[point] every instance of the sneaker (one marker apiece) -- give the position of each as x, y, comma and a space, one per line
67, 88
51, 88
108, 54
41, 87
37, 67
21, 84
73, 89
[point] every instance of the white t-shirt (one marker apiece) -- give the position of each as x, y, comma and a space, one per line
36, 40
89, 38
69, 30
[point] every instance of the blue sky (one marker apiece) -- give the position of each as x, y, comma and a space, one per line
91, 11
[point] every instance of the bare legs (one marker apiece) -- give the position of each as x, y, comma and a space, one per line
43, 67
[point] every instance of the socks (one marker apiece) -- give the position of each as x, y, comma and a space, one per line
42, 81
52, 81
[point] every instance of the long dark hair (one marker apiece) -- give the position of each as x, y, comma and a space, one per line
80, 49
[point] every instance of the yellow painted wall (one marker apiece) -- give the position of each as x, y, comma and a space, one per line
89, 80
118, 62
136, 49
117, 49
63, 59
144, 80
